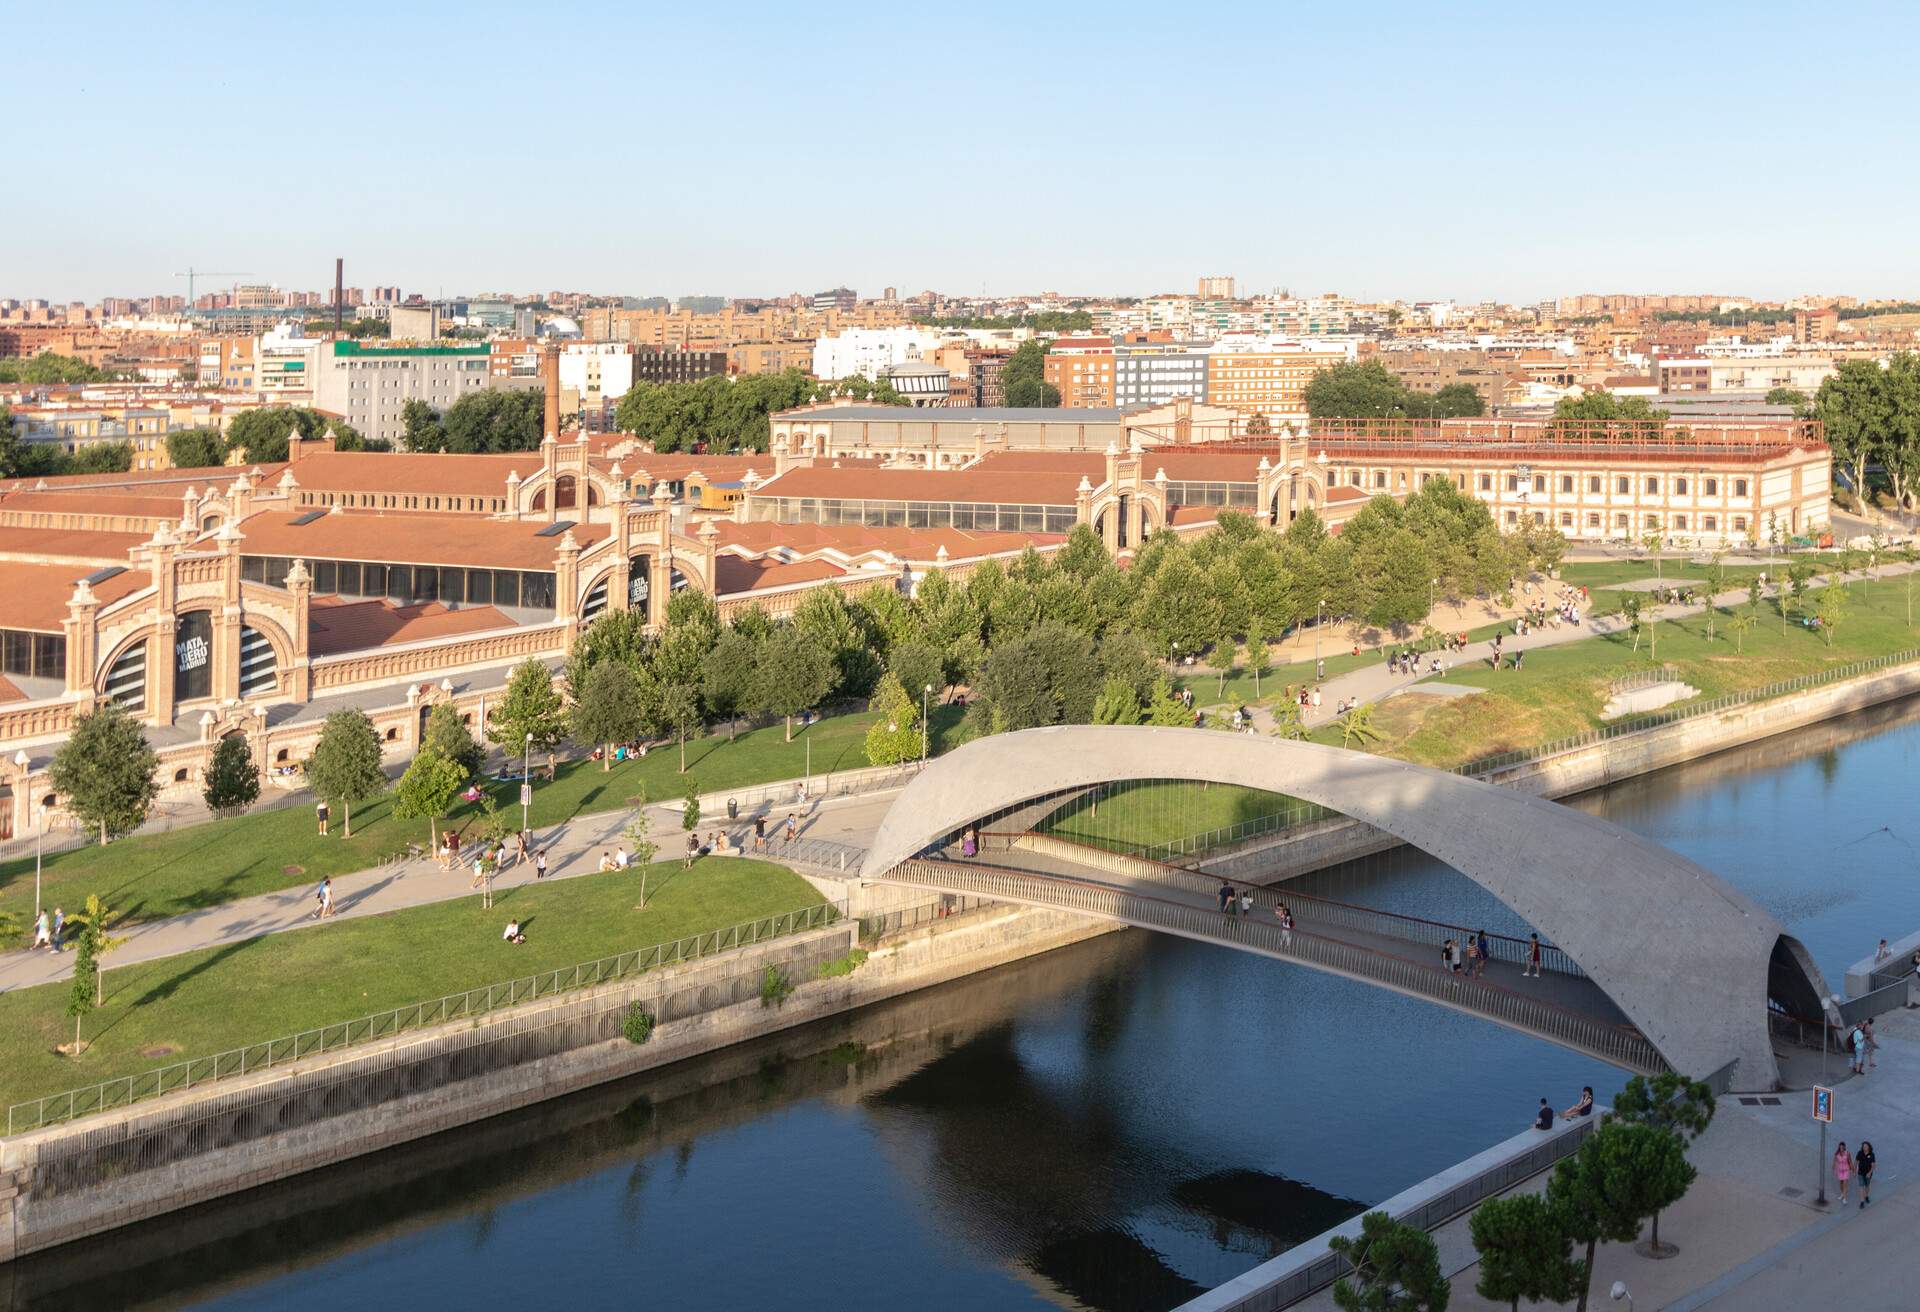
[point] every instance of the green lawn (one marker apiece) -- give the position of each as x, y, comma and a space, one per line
1151, 813
153, 876
1562, 690
210, 1001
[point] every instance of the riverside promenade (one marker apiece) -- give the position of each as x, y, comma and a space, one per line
1751, 1237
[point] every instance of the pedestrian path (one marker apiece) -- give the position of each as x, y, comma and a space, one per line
572, 849
1374, 683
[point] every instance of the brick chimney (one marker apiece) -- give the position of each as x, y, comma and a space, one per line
550, 381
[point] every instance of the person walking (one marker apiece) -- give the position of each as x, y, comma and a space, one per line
540, 864
59, 928
1226, 898
1246, 903
320, 816
759, 833
1486, 951
1842, 1169
693, 851
1873, 1043
1533, 957
322, 898
43, 931
793, 827
1863, 1167
1858, 1042
1285, 917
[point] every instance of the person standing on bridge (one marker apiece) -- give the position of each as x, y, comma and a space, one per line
1533, 957
1226, 898
1285, 917
1246, 902
1486, 951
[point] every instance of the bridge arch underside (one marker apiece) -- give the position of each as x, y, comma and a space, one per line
1689, 962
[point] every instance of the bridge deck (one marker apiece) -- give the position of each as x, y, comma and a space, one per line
1561, 1005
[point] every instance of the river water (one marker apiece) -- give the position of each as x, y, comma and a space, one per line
1114, 1126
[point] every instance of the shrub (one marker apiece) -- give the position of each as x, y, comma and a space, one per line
638, 1025
846, 965
775, 986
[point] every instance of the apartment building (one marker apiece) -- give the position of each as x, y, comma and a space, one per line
1155, 373
768, 357
1267, 376
369, 385
1081, 368
1803, 373
870, 352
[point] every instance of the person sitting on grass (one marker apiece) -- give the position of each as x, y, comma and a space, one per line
513, 934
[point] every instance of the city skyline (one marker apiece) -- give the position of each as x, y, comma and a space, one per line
922, 153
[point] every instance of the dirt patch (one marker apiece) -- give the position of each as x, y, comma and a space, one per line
158, 1050
293, 872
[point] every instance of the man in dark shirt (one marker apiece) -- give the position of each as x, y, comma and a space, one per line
1544, 1121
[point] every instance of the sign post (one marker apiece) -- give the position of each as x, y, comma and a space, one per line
1823, 1113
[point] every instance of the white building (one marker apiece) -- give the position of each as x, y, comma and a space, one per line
370, 384
870, 352
594, 373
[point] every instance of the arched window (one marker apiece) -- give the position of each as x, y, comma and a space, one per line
259, 672
564, 491
596, 601
126, 685
193, 656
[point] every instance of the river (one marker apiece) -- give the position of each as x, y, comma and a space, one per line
1114, 1126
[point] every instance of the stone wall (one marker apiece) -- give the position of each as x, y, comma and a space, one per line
67, 1182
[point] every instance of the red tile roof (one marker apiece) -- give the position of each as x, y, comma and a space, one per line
36, 595
442, 473
1030, 487
10, 691
916, 544
738, 574
418, 539
69, 544
103, 503
335, 625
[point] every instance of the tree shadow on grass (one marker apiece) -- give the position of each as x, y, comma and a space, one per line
166, 987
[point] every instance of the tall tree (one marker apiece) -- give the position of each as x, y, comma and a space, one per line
427, 790
232, 781
1024, 376
1855, 406
726, 680
494, 421
1525, 1252
420, 427
196, 448
531, 708
1670, 1102
1356, 391
679, 710
1396, 1268
1117, 703
105, 771
608, 709
894, 735
447, 734
793, 675
1621, 1175
345, 765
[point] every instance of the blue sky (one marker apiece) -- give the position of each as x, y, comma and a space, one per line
1422, 151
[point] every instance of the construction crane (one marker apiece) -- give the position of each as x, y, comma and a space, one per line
193, 273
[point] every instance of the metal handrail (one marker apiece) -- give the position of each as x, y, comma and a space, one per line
1352, 915
255, 1057
1620, 1044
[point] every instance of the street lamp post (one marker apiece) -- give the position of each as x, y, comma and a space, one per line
925, 726
526, 782
1319, 606
21, 759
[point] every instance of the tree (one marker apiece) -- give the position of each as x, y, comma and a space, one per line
1652, 541
918, 667
1356, 726
1047, 676
1716, 581
489, 420
639, 836
793, 675
690, 808
1117, 703
1459, 401
1396, 1268
84, 993
1259, 655
893, 737
1835, 599
420, 427
1356, 390
726, 679
263, 435
1739, 625
1524, 1252
1024, 376
447, 733
1629, 612
1856, 406
1787, 396
345, 765
233, 781
105, 770
1672, 1103
1605, 407
13, 451
1621, 1175
91, 921
530, 708
679, 711
1287, 720
607, 709
428, 789
196, 448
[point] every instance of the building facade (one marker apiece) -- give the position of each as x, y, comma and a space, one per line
370, 385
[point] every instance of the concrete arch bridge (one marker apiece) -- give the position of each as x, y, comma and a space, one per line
1653, 962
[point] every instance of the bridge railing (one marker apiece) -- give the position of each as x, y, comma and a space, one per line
1347, 915
1620, 1044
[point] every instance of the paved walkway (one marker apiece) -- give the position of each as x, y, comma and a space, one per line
1373, 683
572, 849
